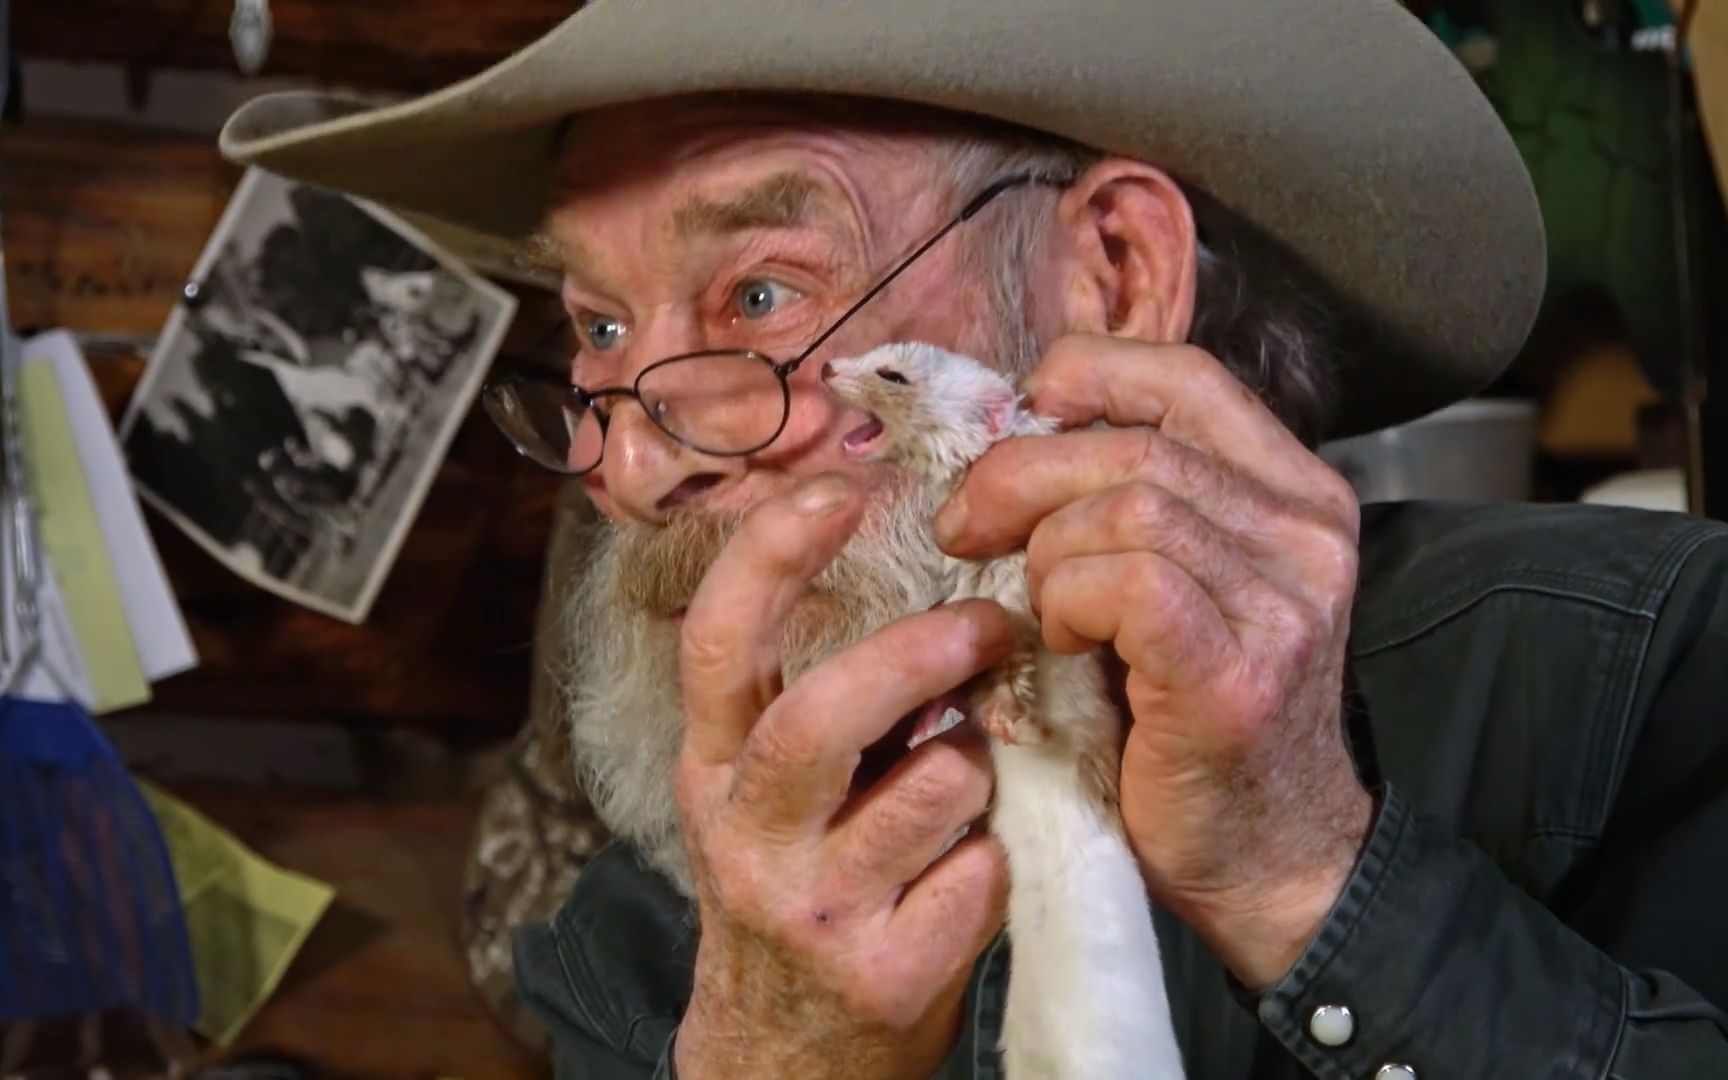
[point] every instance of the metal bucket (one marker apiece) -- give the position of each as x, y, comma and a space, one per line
1482, 450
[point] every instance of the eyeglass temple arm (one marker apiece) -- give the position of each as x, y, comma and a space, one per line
966, 214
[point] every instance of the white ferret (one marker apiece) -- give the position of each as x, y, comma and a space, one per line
1086, 996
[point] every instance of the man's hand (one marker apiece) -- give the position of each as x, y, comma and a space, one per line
835, 941
1218, 556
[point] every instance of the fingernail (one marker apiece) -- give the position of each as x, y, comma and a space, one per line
950, 521
824, 496
984, 624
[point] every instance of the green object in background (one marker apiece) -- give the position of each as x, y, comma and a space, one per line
246, 917
1652, 13
1591, 124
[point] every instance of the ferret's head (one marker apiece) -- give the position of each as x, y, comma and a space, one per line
929, 409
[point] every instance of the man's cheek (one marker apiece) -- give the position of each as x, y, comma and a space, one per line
813, 428
594, 486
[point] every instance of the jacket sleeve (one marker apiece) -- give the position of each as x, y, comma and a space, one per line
1448, 969
575, 1056
585, 1045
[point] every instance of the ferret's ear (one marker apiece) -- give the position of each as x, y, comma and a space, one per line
998, 407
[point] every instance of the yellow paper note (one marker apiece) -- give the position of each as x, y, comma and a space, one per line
73, 545
246, 916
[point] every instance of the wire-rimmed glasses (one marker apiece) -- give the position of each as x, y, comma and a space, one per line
720, 402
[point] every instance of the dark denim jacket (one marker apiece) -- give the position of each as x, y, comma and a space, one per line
1543, 712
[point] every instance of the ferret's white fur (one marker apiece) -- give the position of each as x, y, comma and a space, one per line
1086, 995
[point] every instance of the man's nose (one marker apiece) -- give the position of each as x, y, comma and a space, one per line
642, 466
647, 473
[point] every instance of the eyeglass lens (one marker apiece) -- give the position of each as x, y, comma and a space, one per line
546, 425
717, 403
720, 403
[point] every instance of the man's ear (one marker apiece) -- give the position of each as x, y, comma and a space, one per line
1132, 255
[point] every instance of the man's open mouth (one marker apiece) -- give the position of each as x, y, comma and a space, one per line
864, 438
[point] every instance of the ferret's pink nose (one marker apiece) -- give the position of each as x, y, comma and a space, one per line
827, 372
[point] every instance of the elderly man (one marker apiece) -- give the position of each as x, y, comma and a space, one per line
1417, 790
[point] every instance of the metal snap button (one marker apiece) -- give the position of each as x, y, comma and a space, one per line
1332, 1025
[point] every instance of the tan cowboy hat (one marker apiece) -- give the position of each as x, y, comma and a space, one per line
1708, 41
1343, 128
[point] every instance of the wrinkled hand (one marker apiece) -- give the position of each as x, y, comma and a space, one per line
1217, 556
834, 940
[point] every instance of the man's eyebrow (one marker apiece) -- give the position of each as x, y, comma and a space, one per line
542, 251
783, 200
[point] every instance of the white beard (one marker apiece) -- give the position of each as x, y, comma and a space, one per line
620, 673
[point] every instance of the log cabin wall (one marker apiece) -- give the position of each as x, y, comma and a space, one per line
401, 46
342, 752
103, 219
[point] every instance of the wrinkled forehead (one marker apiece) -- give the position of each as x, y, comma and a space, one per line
645, 140
713, 161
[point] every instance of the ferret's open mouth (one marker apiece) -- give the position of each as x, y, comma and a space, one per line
935, 717
864, 438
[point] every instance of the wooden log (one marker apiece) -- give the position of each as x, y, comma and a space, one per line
405, 45
103, 223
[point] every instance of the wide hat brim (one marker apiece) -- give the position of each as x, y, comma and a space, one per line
1342, 128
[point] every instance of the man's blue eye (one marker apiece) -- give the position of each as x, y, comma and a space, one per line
601, 332
759, 298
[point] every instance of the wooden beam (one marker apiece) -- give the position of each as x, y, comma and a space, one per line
407, 45
102, 223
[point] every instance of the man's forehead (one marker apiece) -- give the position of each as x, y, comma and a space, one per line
667, 125
702, 171
782, 198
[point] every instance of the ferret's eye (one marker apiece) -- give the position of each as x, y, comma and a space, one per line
891, 375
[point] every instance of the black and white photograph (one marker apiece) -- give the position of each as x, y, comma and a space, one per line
303, 393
